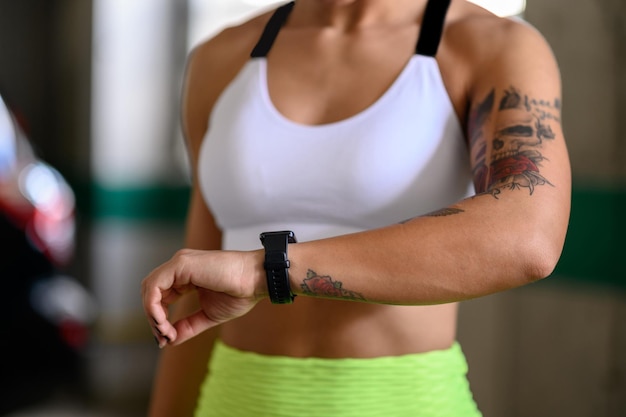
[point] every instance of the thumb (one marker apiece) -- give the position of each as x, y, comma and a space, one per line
191, 326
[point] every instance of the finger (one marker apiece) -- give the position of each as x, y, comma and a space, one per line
191, 326
163, 332
162, 337
156, 310
162, 329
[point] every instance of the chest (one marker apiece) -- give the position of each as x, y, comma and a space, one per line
325, 78
402, 155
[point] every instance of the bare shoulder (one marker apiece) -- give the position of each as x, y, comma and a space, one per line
484, 34
232, 44
497, 48
211, 66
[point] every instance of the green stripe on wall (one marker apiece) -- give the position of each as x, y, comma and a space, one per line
594, 248
159, 203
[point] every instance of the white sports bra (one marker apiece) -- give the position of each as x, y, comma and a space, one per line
403, 156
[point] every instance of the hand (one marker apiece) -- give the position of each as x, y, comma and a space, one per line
226, 284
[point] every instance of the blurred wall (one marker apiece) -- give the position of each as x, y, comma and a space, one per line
45, 73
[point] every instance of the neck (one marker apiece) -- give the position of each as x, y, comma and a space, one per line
348, 15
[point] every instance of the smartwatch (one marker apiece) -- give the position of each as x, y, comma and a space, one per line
277, 265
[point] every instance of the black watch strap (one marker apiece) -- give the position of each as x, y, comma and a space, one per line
277, 265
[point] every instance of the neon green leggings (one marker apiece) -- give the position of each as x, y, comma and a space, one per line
246, 384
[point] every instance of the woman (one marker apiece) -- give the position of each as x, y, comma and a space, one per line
416, 151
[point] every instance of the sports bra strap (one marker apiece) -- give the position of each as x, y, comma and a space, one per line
271, 30
432, 27
427, 44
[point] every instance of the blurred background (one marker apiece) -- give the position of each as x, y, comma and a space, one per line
94, 88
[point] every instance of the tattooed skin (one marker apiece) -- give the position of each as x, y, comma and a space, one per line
544, 109
477, 141
324, 286
514, 148
516, 156
448, 211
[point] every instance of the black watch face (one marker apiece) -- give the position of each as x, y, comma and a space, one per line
291, 237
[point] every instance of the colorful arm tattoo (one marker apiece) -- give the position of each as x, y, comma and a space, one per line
514, 149
515, 155
324, 286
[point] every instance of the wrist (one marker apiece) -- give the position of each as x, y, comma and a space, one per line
257, 274
276, 264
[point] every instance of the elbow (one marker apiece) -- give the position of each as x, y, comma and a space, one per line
542, 255
542, 266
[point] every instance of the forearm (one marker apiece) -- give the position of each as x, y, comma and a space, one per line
490, 244
485, 247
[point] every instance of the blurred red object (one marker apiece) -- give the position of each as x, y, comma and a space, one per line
49, 313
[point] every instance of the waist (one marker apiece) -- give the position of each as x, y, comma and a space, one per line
323, 328
429, 384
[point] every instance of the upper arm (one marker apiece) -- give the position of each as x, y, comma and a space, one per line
210, 68
196, 101
514, 125
201, 231
517, 148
